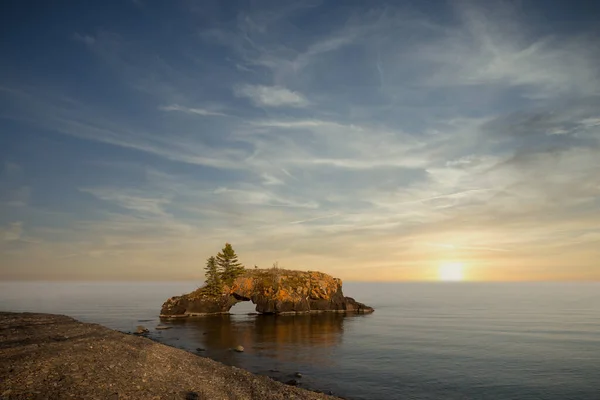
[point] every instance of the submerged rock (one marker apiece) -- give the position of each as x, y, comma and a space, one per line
162, 327
140, 330
274, 291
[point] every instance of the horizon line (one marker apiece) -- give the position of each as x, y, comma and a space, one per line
343, 281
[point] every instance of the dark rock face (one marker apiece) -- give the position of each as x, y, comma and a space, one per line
274, 291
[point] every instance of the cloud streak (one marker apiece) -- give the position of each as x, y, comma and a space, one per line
271, 96
198, 111
13, 232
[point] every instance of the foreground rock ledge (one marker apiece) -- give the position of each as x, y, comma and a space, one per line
47, 356
274, 291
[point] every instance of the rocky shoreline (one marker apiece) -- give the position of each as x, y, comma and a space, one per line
47, 356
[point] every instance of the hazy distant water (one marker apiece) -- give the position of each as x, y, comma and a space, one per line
425, 341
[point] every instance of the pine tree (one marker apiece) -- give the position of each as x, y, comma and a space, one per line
213, 281
229, 265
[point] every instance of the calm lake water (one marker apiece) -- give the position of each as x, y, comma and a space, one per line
424, 341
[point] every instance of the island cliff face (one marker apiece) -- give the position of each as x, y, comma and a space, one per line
274, 291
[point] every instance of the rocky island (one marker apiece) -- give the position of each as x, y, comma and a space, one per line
274, 291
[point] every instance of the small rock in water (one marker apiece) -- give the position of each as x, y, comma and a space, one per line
140, 330
200, 349
162, 327
239, 349
298, 375
292, 382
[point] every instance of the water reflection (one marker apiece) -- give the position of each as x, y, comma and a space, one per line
306, 338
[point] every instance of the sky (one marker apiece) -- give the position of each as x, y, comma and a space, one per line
374, 141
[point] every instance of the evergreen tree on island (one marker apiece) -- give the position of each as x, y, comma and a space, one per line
213, 283
229, 266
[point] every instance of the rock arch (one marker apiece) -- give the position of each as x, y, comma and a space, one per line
273, 291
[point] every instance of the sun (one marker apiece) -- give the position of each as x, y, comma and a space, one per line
451, 272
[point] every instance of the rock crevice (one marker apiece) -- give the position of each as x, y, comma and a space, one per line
274, 291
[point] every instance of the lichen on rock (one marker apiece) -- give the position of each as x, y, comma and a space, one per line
274, 291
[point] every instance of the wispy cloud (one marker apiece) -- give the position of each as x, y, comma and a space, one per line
271, 96
261, 198
11, 169
15, 197
491, 47
198, 111
49, 110
12, 232
314, 219
271, 180
134, 202
13, 191
87, 39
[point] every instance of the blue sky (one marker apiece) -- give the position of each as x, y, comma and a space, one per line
370, 140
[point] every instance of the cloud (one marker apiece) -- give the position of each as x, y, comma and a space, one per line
15, 197
271, 180
13, 191
258, 45
198, 111
271, 96
314, 219
62, 114
492, 46
13, 232
297, 124
314, 142
261, 198
86, 39
137, 66
132, 201
12, 169
574, 120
